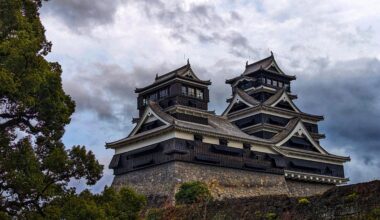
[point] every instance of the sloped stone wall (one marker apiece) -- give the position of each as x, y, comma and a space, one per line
160, 183
299, 189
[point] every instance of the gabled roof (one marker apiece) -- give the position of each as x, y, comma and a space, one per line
268, 64
153, 109
281, 95
242, 96
183, 72
296, 127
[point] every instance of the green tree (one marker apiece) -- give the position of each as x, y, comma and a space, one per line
35, 166
109, 205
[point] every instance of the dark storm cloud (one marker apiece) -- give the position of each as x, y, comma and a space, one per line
83, 14
108, 90
347, 94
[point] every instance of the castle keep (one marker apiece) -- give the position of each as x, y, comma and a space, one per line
261, 144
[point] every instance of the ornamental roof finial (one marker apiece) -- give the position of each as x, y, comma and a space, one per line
246, 63
188, 61
156, 75
271, 53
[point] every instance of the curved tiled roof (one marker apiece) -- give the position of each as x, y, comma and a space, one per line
261, 64
247, 97
288, 128
275, 97
177, 73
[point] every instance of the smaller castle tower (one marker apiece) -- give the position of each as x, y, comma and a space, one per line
178, 87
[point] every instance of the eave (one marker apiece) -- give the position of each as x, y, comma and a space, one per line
311, 177
259, 108
289, 152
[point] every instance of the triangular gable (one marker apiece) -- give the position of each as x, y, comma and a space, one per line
148, 116
189, 73
285, 105
236, 100
300, 143
300, 130
274, 67
285, 98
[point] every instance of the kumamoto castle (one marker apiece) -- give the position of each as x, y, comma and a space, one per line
262, 143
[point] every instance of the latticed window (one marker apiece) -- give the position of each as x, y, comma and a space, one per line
163, 93
153, 96
199, 94
184, 90
191, 91
269, 81
144, 101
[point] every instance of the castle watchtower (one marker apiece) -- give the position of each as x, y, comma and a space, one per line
178, 87
262, 79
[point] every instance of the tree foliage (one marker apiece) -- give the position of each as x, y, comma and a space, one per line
109, 205
192, 192
35, 166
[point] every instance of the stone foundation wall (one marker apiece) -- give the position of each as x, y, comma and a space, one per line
163, 181
160, 183
298, 189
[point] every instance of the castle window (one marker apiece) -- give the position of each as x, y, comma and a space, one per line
153, 96
144, 101
223, 141
274, 82
163, 93
199, 94
184, 90
280, 84
191, 92
269, 81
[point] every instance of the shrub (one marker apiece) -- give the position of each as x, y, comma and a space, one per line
271, 216
192, 192
154, 214
352, 197
373, 214
303, 201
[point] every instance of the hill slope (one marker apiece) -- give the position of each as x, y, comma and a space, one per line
359, 201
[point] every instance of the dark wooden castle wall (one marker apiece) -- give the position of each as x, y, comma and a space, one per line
216, 155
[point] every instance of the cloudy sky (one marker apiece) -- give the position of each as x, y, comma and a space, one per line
108, 48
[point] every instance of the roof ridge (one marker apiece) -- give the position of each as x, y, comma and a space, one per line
247, 97
156, 108
274, 97
165, 74
259, 61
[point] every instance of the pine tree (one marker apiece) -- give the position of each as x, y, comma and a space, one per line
35, 166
